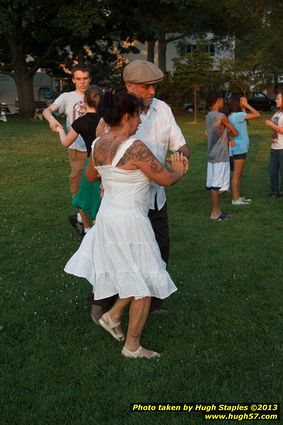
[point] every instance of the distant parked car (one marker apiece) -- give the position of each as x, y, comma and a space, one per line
261, 101
257, 100
189, 106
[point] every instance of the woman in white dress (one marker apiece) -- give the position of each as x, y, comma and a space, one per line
119, 255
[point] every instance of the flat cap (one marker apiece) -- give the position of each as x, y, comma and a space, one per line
140, 71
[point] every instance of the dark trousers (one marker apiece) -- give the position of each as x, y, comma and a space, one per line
159, 222
276, 168
160, 226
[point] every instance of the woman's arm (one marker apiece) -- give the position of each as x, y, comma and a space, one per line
140, 156
91, 172
67, 140
226, 123
254, 113
100, 129
274, 126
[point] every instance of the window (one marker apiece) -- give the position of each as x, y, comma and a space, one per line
48, 93
259, 95
190, 47
211, 49
45, 93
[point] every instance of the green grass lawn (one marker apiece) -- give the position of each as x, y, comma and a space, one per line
221, 340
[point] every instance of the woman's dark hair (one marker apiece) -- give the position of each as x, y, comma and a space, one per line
235, 103
92, 96
212, 97
112, 107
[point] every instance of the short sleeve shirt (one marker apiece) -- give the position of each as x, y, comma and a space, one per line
72, 105
86, 127
159, 132
239, 122
277, 138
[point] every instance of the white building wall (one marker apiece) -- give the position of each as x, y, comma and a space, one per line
222, 51
43, 86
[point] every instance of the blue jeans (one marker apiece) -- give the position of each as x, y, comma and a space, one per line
276, 168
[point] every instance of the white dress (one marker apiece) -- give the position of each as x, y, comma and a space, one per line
120, 255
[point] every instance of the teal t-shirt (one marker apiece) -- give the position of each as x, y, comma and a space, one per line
239, 122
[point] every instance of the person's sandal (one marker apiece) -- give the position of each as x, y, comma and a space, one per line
107, 323
138, 354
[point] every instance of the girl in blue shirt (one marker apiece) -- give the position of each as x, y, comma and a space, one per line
238, 118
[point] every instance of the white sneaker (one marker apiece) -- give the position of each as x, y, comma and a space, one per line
239, 202
247, 200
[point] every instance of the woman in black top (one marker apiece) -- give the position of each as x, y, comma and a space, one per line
88, 197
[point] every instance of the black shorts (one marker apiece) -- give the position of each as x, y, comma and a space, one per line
240, 156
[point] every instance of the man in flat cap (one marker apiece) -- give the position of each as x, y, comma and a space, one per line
159, 131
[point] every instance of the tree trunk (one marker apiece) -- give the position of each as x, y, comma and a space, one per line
24, 83
195, 106
275, 84
150, 50
162, 45
23, 77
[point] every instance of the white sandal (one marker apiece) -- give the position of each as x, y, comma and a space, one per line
137, 354
109, 326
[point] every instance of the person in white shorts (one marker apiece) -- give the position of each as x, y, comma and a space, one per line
218, 167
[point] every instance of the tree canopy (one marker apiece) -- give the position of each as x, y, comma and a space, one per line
46, 34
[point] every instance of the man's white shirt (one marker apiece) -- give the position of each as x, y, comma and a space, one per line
160, 133
72, 105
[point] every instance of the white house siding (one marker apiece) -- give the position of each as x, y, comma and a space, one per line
221, 52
